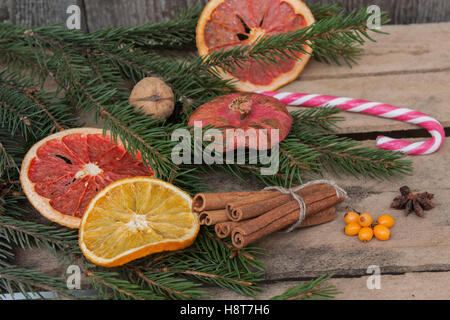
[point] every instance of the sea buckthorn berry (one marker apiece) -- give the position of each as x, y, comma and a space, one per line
352, 229
351, 216
386, 220
381, 232
365, 234
365, 219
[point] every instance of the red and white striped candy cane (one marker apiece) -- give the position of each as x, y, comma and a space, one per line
377, 109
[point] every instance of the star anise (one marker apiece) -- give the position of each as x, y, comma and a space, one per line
413, 202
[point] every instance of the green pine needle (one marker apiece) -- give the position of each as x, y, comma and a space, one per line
311, 290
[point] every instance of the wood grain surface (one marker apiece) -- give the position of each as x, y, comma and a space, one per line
106, 13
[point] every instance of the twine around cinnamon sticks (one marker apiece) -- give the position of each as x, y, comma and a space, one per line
249, 216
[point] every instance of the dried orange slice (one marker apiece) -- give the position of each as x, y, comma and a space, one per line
63, 172
225, 24
134, 217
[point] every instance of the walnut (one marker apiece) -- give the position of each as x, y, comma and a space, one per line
154, 96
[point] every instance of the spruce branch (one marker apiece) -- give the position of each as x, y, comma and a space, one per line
7, 162
26, 234
109, 284
6, 252
311, 290
26, 281
341, 154
323, 11
208, 261
176, 33
332, 39
172, 287
30, 112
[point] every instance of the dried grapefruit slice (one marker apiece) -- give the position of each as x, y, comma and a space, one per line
225, 24
63, 172
134, 217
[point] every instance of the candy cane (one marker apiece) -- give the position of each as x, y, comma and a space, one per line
377, 109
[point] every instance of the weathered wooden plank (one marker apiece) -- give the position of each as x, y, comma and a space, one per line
106, 13
401, 11
38, 12
417, 48
409, 286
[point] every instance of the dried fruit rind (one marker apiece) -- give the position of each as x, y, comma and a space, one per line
249, 112
134, 217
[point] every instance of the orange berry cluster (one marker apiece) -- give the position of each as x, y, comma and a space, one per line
361, 225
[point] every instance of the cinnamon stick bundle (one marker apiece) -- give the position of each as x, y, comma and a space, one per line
212, 217
224, 229
245, 209
277, 219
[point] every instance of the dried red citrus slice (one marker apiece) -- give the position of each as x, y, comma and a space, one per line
225, 24
63, 172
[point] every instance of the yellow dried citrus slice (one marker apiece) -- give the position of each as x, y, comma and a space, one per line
134, 217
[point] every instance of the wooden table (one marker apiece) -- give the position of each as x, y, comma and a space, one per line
408, 68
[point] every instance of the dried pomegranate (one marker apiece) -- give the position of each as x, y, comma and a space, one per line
253, 113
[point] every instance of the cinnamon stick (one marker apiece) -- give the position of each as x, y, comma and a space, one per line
321, 217
277, 219
241, 210
224, 229
216, 201
212, 217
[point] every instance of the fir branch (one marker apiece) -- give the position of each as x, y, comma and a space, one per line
26, 234
13, 279
6, 252
324, 118
341, 154
109, 284
323, 11
332, 39
201, 274
30, 93
176, 33
30, 112
7, 162
171, 287
311, 290
208, 261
